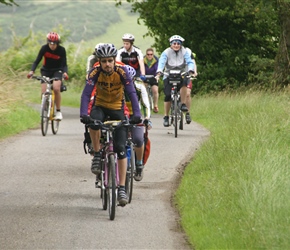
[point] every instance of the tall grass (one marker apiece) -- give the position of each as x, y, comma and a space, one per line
235, 193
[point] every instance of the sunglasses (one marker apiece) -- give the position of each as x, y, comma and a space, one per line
52, 43
108, 60
176, 43
149, 54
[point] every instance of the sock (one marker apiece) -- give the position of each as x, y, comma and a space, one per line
140, 162
58, 110
122, 187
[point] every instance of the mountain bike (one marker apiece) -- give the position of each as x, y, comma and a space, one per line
176, 116
48, 108
108, 180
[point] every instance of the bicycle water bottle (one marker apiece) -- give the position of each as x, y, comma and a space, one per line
128, 152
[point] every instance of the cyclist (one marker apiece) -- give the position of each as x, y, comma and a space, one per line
151, 64
92, 59
178, 58
189, 87
54, 65
110, 82
138, 131
131, 55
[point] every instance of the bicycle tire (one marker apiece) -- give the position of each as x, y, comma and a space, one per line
175, 116
102, 186
111, 187
130, 175
44, 114
54, 123
181, 122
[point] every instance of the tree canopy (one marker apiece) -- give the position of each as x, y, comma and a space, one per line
8, 2
234, 40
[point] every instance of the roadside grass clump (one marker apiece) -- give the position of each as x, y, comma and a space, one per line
235, 192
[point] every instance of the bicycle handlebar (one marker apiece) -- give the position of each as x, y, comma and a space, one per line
46, 79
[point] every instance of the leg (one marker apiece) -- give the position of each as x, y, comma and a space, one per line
188, 102
155, 97
56, 89
138, 139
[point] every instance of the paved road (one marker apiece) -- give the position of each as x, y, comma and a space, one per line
48, 199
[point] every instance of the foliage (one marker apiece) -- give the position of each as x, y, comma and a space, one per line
37, 16
8, 2
225, 35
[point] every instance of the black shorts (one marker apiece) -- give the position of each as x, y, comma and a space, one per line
51, 74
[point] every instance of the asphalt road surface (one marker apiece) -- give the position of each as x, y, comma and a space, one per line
48, 199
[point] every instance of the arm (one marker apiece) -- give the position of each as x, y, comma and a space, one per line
38, 59
64, 62
189, 61
162, 62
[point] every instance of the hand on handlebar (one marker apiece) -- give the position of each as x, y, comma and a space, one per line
143, 78
147, 123
30, 74
86, 119
135, 119
65, 76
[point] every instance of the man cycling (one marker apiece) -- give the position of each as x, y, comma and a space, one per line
131, 55
176, 57
110, 82
54, 65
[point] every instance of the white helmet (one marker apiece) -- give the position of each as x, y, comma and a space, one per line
129, 37
131, 71
176, 37
106, 50
98, 45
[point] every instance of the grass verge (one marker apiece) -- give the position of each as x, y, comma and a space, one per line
235, 192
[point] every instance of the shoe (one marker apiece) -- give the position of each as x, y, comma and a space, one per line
96, 164
155, 110
139, 173
122, 197
166, 121
188, 118
183, 108
58, 116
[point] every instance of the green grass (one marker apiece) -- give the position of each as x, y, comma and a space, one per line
235, 193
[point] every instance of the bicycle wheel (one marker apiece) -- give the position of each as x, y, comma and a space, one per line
54, 123
44, 114
181, 117
111, 187
130, 175
150, 96
175, 110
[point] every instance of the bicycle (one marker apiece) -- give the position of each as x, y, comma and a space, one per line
176, 116
108, 180
48, 108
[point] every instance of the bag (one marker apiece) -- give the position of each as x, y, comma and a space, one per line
147, 146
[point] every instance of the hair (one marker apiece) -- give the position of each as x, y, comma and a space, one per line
149, 49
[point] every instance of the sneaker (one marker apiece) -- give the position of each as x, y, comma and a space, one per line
96, 164
122, 197
183, 108
166, 121
188, 118
58, 116
139, 173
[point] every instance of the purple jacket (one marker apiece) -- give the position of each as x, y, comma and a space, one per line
153, 67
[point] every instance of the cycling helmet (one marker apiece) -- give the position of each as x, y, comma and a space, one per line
98, 45
176, 37
53, 37
106, 50
129, 37
131, 71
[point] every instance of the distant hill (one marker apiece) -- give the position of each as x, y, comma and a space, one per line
85, 20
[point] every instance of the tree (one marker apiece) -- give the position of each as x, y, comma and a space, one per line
281, 76
229, 36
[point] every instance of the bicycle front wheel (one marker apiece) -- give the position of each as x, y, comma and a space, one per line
54, 123
130, 175
44, 114
175, 113
181, 120
111, 188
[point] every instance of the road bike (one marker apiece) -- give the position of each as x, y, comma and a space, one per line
108, 180
176, 116
48, 108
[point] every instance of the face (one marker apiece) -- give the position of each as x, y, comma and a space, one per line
52, 46
127, 45
175, 45
107, 64
149, 54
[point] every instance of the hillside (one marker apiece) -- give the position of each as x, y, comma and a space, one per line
84, 20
